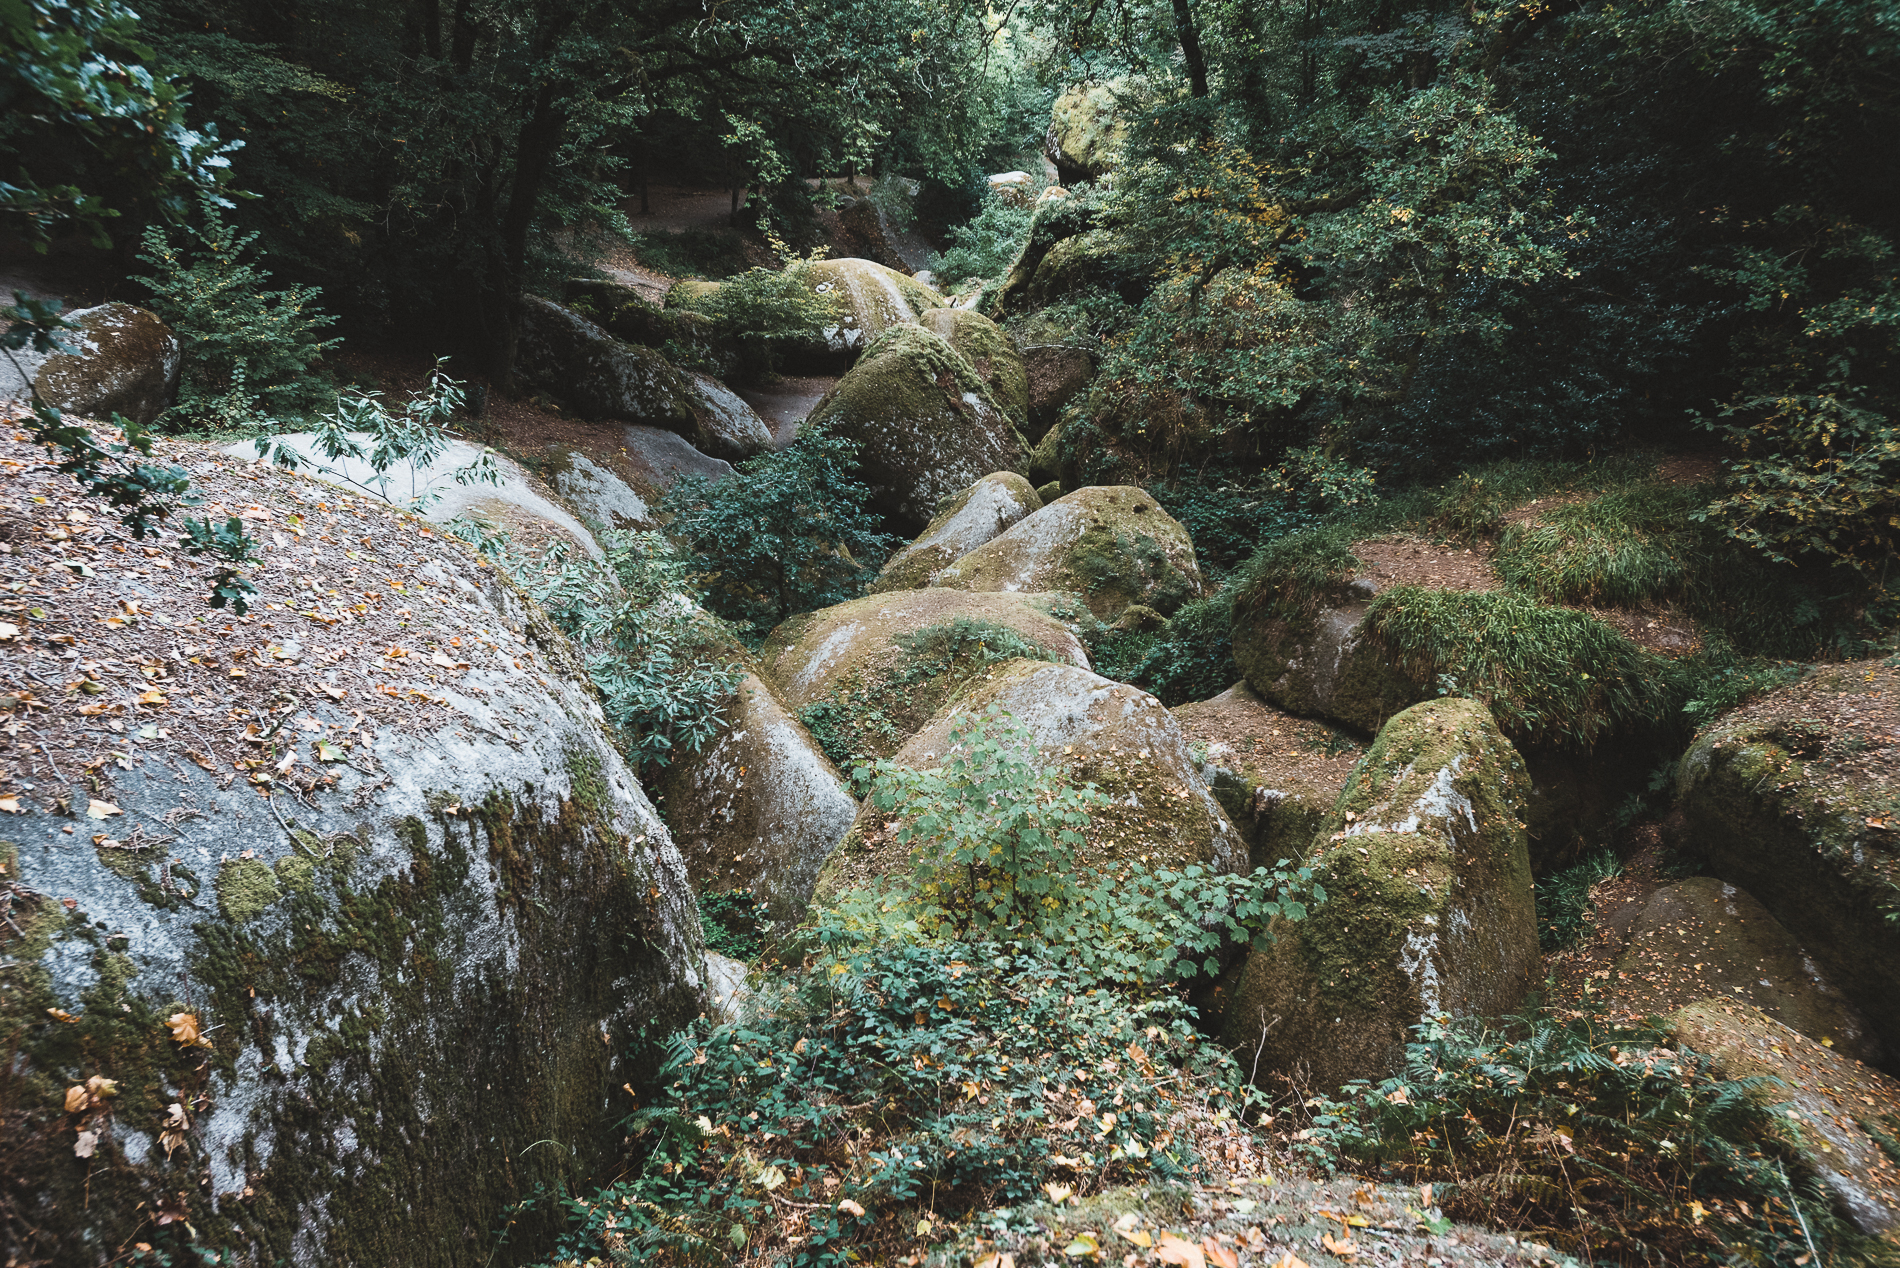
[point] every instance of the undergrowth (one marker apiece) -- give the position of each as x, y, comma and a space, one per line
1190, 658
1563, 898
708, 253
1600, 1139
734, 923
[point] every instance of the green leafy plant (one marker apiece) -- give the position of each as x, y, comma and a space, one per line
761, 308
1564, 897
247, 350
786, 532
983, 247
1593, 1136
229, 542
629, 610
734, 923
391, 443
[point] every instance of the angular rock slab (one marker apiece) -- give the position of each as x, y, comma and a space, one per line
760, 807
925, 422
991, 353
1118, 737
124, 360
1111, 544
1703, 937
601, 377
1429, 908
973, 517
443, 959
1841, 1109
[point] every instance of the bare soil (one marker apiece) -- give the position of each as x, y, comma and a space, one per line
1418, 561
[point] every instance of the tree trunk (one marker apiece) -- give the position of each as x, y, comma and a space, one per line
1190, 36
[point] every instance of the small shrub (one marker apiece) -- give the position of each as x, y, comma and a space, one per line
983, 248
247, 350
708, 253
1191, 658
1564, 897
1600, 1139
760, 309
734, 923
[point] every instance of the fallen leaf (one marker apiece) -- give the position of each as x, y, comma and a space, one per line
1177, 1250
10, 804
8, 631
201, 759
335, 693
96, 809
1058, 1193
152, 697
1289, 1260
1219, 1255
1346, 1248
1083, 1245
77, 1098
100, 1086
328, 752
851, 1208
771, 1178
185, 1030
86, 1145
60, 1014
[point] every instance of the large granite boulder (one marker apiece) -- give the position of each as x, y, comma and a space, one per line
1429, 907
760, 807
865, 675
729, 428
1277, 776
1086, 133
1842, 1116
1796, 799
1055, 220
1113, 545
1110, 734
350, 905
122, 360
1703, 937
599, 376
991, 353
968, 520
1057, 365
871, 299
925, 421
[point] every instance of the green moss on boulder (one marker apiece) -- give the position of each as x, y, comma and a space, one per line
1113, 735
1788, 799
245, 888
1112, 545
926, 423
969, 519
991, 353
872, 297
124, 360
1086, 133
865, 675
1429, 905
1057, 365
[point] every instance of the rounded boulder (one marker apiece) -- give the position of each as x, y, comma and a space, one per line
121, 360
975, 516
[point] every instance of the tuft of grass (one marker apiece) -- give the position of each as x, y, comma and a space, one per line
1192, 658
1564, 897
1628, 546
1549, 675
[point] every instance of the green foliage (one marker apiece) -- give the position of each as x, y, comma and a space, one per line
1321, 484
394, 443
84, 113
734, 923
766, 304
1228, 516
248, 351
229, 542
1564, 897
628, 611
983, 248
1620, 548
1190, 658
707, 253
1593, 1136
786, 532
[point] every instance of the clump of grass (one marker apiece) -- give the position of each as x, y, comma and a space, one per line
1564, 897
1550, 675
1191, 658
1628, 546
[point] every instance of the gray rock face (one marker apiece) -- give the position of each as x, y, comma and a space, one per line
1430, 906
1325, 665
871, 299
596, 493
125, 361
435, 945
730, 428
975, 516
1116, 736
926, 422
598, 375
760, 807
991, 353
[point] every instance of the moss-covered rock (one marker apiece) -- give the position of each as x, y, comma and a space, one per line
1795, 798
369, 971
1054, 220
1112, 545
925, 421
969, 519
1045, 461
991, 353
599, 376
760, 807
1703, 937
1086, 133
1113, 735
873, 299
1429, 907
1057, 365
865, 675
124, 360
1090, 258
1842, 1116
1277, 776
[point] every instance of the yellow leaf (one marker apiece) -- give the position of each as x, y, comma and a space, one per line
185, 1030
1177, 1250
1082, 1246
1289, 1260
60, 1014
1219, 1255
1346, 1249
1358, 1221
96, 809
1058, 1193
76, 1099
151, 697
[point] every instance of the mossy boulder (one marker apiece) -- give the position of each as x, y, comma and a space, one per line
1118, 737
925, 421
599, 376
1054, 220
1086, 132
123, 360
990, 351
871, 298
865, 675
1316, 658
1703, 937
759, 807
1112, 545
1096, 257
1796, 799
1429, 908
1842, 1116
1276, 776
1057, 365
364, 969
969, 519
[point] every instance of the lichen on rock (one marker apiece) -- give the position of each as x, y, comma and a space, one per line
965, 521
990, 351
1429, 907
1112, 545
122, 360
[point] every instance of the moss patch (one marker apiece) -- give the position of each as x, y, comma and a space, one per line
245, 888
